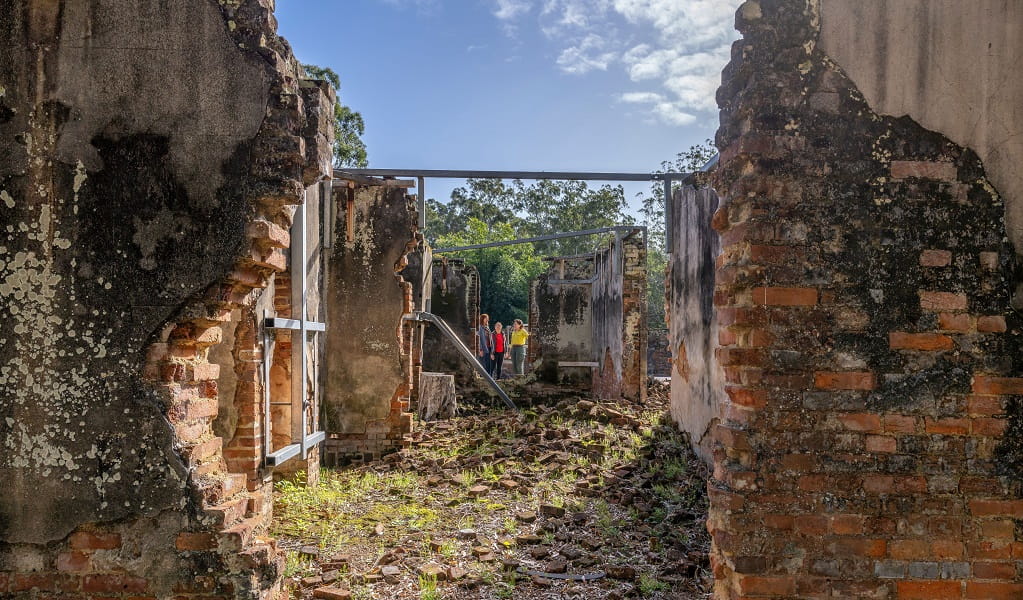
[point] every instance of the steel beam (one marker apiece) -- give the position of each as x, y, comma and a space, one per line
543, 238
464, 174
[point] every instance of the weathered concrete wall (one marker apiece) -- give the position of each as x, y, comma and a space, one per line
456, 299
870, 443
619, 319
560, 321
697, 381
369, 373
952, 66
139, 143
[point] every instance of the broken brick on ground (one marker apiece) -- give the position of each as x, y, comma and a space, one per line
566, 488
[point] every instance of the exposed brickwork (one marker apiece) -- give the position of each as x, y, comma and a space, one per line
863, 450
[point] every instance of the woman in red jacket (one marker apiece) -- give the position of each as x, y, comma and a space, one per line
499, 347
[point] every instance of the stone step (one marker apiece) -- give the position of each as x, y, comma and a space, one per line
197, 453
210, 467
260, 555
258, 504
234, 483
219, 489
229, 513
240, 535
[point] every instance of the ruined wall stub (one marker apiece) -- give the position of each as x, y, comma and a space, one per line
368, 372
619, 318
697, 382
456, 299
560, 321
591, 312
149, 151
869, 446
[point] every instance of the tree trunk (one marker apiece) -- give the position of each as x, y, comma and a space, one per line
437, 396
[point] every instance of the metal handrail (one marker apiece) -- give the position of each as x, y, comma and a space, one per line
420, 316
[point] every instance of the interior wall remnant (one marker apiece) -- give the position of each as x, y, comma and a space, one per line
560, 322
418, 273
588, 319
143, 169
869, 445
907, 58
695, 338
619, 318
456, 299
368, 379
658, 354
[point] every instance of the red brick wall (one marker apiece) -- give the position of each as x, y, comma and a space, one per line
869, 348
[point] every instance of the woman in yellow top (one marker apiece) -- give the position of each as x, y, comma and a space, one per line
518, 347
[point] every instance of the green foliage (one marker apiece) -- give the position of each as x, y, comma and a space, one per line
648, 584
488, 210
428, 588
541, 208
652, 209
505, 272
349, 148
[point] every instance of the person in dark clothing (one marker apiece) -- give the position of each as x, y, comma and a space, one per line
499, 349
486, 344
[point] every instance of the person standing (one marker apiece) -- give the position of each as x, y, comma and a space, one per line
518, 347
498, 355
486, 345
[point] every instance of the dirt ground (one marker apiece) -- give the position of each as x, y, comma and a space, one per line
503, 504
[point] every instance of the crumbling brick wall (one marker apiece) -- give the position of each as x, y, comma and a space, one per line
456, 299
144, 171
619, 318
869, 444
368, 378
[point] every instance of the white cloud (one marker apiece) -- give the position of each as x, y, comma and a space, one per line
641, 98
509, 9
561, 17
587, 55
682, 45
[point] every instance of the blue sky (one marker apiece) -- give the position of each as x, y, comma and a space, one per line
582, 85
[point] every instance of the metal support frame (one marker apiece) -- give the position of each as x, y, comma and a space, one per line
421, 202
544, 238
420, 316
421, 174
300, 440
469, 174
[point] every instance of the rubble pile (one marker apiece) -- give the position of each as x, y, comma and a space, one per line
576, 499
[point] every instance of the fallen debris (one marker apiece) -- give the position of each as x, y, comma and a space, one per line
500, 504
